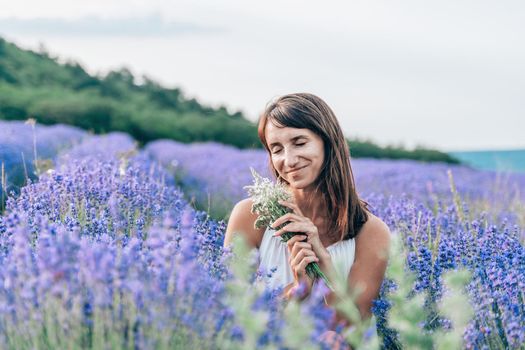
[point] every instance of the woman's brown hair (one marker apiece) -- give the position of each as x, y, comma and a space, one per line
346, 212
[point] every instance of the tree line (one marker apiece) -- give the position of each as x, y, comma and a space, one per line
37, 85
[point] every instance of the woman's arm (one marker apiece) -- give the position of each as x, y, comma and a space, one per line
368, 270
241, 222
371, 259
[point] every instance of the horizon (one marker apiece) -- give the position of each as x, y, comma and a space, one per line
490, 150
442, 86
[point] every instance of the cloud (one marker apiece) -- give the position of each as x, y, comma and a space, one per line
147, 26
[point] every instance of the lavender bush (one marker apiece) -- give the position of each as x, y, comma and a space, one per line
213, 175
21, 143
498, 195
101, 254
94, 254
105, 251
449, 220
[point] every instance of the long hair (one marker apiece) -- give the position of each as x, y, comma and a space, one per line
346, 212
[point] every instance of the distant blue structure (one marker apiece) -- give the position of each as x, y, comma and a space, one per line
501, 161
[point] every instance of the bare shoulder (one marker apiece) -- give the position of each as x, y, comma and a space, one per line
371, 259
242, 221
374, 236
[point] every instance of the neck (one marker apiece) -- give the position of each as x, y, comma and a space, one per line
311, 204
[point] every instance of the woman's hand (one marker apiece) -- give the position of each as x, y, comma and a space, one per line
333, 341
298, 223
301, 254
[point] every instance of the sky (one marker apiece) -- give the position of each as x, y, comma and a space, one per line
442, 74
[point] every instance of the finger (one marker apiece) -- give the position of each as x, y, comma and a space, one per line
328, 337
293, 240
300, 256
306, 260
294, 227
298, 271
286, 217
291, 227
298, 275
296, 248
334, 340
291, 292
296, 259
284, 229
292, 206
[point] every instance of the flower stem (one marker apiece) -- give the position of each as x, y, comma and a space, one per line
314, 271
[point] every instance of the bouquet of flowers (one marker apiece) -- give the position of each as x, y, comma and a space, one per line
266, 195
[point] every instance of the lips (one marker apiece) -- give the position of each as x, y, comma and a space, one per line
295, 170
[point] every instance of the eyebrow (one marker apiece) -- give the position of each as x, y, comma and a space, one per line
293, 139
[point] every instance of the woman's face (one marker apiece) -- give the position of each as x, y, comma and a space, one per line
296, 154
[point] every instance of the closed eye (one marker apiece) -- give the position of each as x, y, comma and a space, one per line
280, 149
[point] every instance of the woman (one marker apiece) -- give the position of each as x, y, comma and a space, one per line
310, 156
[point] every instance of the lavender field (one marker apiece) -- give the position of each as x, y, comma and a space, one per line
104, 245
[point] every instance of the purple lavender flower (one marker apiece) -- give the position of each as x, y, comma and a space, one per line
107, 232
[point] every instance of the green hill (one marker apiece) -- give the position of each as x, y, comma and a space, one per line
36, 85
368, 149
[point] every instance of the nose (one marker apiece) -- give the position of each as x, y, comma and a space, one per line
290, 159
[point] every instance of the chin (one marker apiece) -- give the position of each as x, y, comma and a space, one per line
300, 184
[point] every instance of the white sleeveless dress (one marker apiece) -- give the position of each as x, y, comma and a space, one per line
273, 254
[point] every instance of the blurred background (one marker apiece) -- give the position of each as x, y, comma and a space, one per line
440, 80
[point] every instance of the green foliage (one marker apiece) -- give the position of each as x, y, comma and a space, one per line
367, 149
406, 316
455, 306
35, 85
409, 311
241, 296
